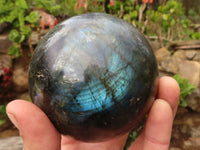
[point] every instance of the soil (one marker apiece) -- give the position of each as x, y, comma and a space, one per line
186, 130
8, 130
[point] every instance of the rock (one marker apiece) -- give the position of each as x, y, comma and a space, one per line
20, 79
5, 62
162, 53
197, 56
24, 96
5, 44
170, 65
190, 70
155, 45
164, 73
180, 54
193, 100
186, 130
3, 26
166, 63
5, 59
174, 148
192, 142
20, 72
182, 62
35, 38
188, 54
11, 143
9, 132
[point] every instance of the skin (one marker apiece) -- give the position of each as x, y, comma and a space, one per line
38, 133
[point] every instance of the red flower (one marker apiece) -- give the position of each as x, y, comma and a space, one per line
6, 70
94, 3
112, 2
7, 78
148, 1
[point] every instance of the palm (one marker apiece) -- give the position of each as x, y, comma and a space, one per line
68, 143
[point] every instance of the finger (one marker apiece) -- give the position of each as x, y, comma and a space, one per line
35, 128
169, 91
157, 132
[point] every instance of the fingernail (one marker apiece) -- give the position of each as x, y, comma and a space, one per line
13, 119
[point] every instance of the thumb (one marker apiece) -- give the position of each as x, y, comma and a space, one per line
36, 130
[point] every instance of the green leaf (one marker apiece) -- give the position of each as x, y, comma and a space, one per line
30, 100
127, 18
26, 31
2, 114
21, 18
133, 135
183, 103
21, 4
7, 13
14, 50
2, 111
165, 17
2, 121
22, 38
171, 10
14, 36
51, 6
185, 89
137, 7
33, 18
196, 36
173, 22
134, 14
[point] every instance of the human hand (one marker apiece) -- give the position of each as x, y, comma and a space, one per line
38, 133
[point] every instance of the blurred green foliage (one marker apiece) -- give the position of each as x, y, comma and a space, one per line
68, 7
2, 111
167, 22
12, 10
195, 15
2, 114
174, 25
18, 14
23, 19
52, 6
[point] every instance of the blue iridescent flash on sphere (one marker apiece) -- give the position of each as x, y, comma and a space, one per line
95, 76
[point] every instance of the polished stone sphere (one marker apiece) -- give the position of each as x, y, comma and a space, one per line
95, 76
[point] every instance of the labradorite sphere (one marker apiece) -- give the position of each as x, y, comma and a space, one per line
94, 75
